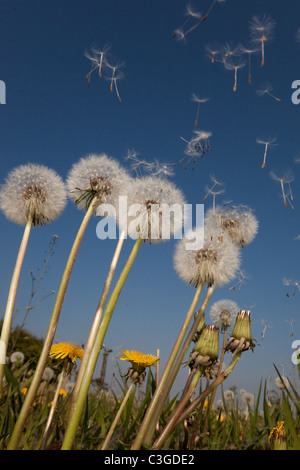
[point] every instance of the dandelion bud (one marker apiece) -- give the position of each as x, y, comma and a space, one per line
241, 336
206, 350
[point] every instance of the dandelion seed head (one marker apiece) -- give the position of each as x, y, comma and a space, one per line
150, 201
239, 222
17, 356
100, 178
282, 382
33, 191
215, 263
223, 313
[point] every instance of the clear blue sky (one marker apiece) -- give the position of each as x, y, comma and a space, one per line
52, 117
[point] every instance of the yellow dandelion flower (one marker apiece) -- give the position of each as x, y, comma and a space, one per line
66, 350
138, 359
24, 390
278, 437
63, 393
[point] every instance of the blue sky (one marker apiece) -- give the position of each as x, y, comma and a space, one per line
52, 117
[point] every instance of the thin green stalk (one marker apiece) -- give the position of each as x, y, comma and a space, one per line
87, 378
148, 428
172, 422
18, 429
96, 322
117, 417
10, 305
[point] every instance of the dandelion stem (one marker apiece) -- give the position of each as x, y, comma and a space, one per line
12, 297
172, 422
148, 425
81, 398
117, 417
96, 322
12, 445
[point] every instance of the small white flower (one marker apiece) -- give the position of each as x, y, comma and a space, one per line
96, 177
155, 210
223, 313
32, 191
228, 395
216, 263
17, 356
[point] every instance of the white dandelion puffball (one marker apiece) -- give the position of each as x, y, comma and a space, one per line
48, 374
239, 222
96, 177
215, 263
228, 395
155, 210
33, 191
17, 356
279, 384
223, 313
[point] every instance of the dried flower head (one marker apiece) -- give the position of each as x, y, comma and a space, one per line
215, 263
17, 357
96, 178
206, 350
155, 210
32, 192
66, 350
241, 336
223, 313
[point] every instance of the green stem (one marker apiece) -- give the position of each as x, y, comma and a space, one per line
156, 404
117, 417
96, 322
172, 422
12, 445
87, 378
167, 385
10, 305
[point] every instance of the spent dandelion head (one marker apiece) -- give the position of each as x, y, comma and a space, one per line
67, 350
33, 192
223, 313
139, 362
155, 209
241, 336
98, 179
261, 31
206, 350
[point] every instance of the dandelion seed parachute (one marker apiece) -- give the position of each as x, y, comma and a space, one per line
34, 191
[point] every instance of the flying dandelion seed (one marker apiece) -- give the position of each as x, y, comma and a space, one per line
190, 14
235, 67
286, 178
267, 144
212, 53
98, 61
198, 100
266, 325
155, 168
213, 192
290, 321
242, 278
196, 147
247, 50
114, 77
261, 30
267, 91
